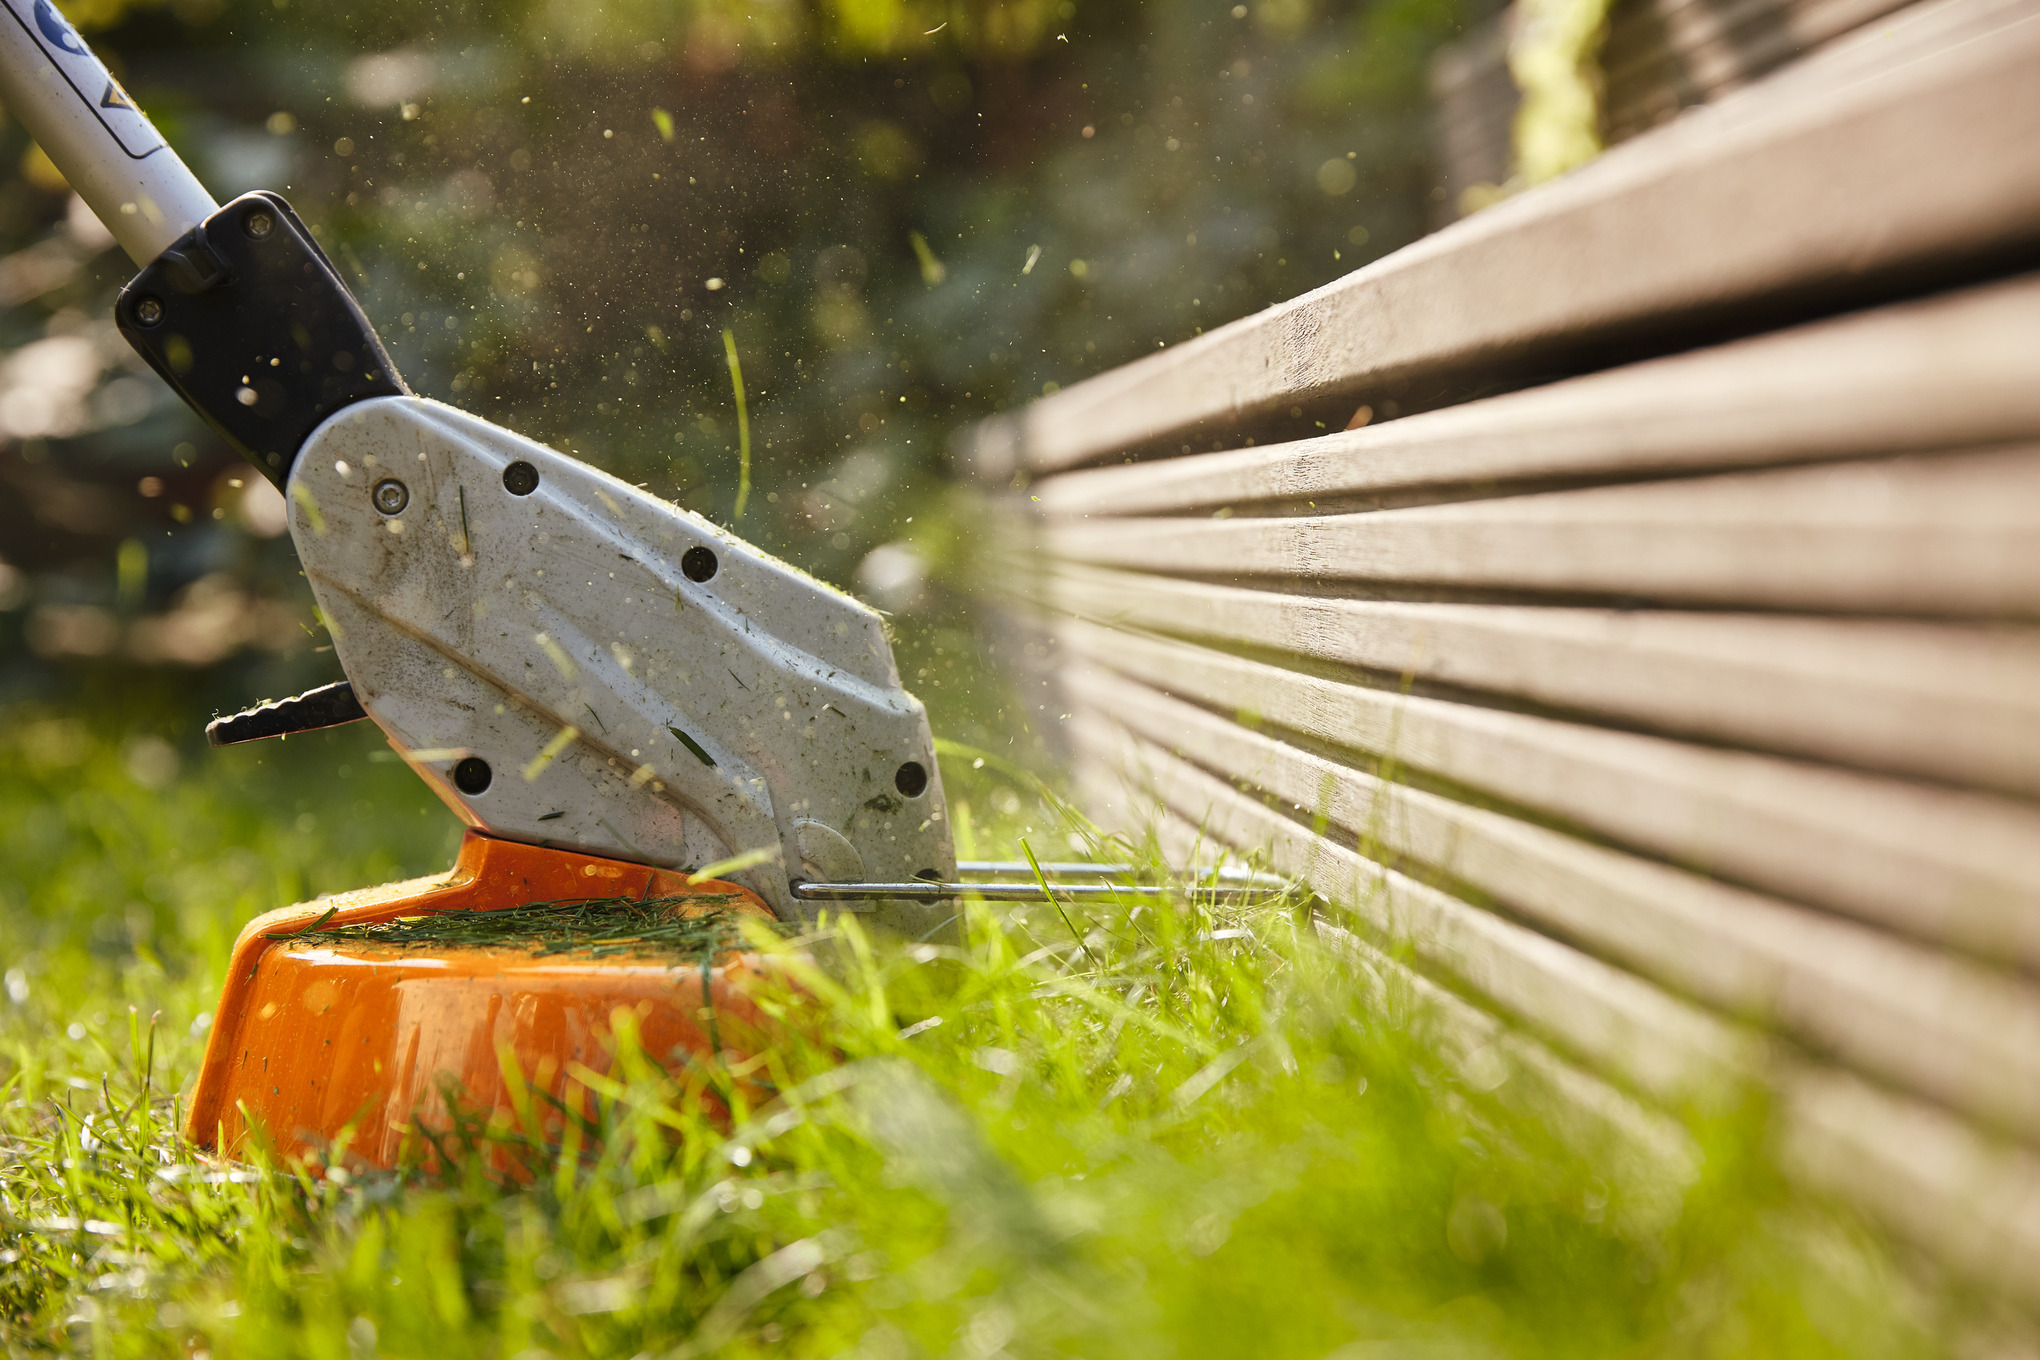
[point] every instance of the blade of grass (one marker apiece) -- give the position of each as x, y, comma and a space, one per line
1049, 892
729, 341
764, 854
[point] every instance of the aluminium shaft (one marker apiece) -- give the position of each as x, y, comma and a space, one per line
85, 123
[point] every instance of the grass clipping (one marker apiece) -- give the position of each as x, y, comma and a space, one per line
668, 928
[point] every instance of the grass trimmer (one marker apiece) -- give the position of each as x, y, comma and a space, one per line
647, 726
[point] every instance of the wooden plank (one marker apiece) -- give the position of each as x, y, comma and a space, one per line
1660, 56
1872, 159
1474, 101
1670, 1050
1665, 55
1956, 534
1922, 1172
1948, 868
1971, 1201
1924, 1021
1960, 703
1839, 389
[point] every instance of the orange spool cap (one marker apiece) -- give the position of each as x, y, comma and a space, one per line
316, 1037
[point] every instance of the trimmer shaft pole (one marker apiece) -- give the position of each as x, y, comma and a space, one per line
85, 123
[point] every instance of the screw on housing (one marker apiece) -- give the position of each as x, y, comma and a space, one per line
391, 496
520, 478
698, 563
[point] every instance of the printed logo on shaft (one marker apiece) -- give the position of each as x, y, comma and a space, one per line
95, 88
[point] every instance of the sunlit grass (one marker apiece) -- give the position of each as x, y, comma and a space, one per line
1143, 1130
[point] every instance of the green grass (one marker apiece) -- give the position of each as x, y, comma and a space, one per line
594, 927
1197, 1132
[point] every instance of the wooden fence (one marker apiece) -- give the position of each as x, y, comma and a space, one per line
1658, 660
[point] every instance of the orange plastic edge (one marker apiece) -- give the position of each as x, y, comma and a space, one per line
317, 1044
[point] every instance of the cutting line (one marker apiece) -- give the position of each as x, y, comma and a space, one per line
932, 891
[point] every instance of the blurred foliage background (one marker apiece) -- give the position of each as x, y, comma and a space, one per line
909, 213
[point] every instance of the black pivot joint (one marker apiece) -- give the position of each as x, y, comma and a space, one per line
248, 321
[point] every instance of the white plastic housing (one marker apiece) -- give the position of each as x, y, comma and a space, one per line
475, 621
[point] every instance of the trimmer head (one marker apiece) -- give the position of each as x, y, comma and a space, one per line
330, 1038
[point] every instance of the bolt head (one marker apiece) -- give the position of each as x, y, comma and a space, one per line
473, 776
149, 311
698, 563
520, 478
390, 496
259, 224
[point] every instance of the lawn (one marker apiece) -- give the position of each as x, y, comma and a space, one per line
1150, 1130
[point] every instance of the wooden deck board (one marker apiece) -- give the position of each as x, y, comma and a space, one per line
1841, 389
1948, 535
1676, 725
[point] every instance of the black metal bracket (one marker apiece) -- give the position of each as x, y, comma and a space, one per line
327, 706
248, 321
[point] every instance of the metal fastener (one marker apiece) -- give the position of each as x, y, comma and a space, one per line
390, 496
259, 225
520, 478
149, 311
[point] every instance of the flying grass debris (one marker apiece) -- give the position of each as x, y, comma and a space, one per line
550, 752
557, 655
1049, 892
723, 868
302, 494
933, 271
729, 341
